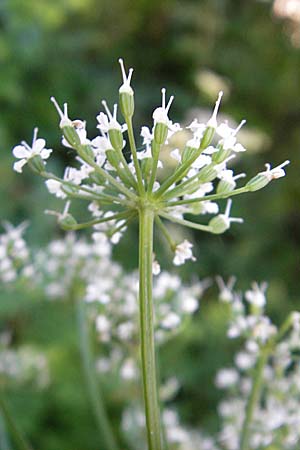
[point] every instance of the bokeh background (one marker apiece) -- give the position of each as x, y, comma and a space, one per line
69, 48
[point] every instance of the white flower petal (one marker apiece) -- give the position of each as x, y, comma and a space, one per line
20, 152
19, 165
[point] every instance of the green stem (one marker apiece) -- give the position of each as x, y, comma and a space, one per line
94, 392
118, 216
155, 155
138, 171
165, 232
150, 389
15, 432
253, 398
208, 197
186, 223
4, 442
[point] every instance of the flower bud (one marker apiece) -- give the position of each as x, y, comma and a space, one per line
36, 164
67, 222
116, 138
208, 173
187, 153
258, 182
219, 224
113, 158
207, 137
126, 94
221, 155
225, 186
160, 133
86, 152
71, 136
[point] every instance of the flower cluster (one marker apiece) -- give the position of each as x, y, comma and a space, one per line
77, 269
116, 188
263, 395
23, 365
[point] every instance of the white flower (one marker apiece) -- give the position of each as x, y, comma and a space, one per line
226, 294
183, 252
276, 172
172, 320
54, 187
226, 378
24, 152
213, 120
125, 88
256, 296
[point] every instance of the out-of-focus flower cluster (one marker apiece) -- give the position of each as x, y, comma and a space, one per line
78, 270
276, 417
23, 365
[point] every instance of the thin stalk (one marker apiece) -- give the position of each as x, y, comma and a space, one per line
118, 216
186, 223
165, 232
208, 197
100, 196
138, 171
4, 441
155, 155
253, 398
15, 432
110, 178
150, 389
129, 175
94, 392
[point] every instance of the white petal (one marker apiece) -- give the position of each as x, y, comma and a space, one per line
20, 152
38, 145
19, 164
45, 153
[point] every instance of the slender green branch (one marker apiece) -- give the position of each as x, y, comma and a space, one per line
151, 398
241, 190
253, 398
129, 175
97, 195
120, 227
109, 178
155, 155
178, 189
95, 395
4, 441
165, 232
11, 425
118, 216
138, 171
186, 223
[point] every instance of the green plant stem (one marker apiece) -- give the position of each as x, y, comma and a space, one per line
119, 216
253, 398
241, 190
150, 389
155, 155
94, 392
186, 223
138, 171
12, 427
4, 441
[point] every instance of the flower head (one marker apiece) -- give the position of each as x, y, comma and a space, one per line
183, 252
24, 152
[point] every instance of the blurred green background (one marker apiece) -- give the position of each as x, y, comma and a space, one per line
69, 48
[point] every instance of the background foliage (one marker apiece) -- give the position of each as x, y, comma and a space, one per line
69, 48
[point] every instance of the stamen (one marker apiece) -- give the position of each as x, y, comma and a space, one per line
241, 175
163, 95
268, 167
217, 105
115, 111
228, 207
106, 109
66, 208
24, 143
169, 103
121, 62
285, 163
239, 127
129, 75
62, 115
35, 132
